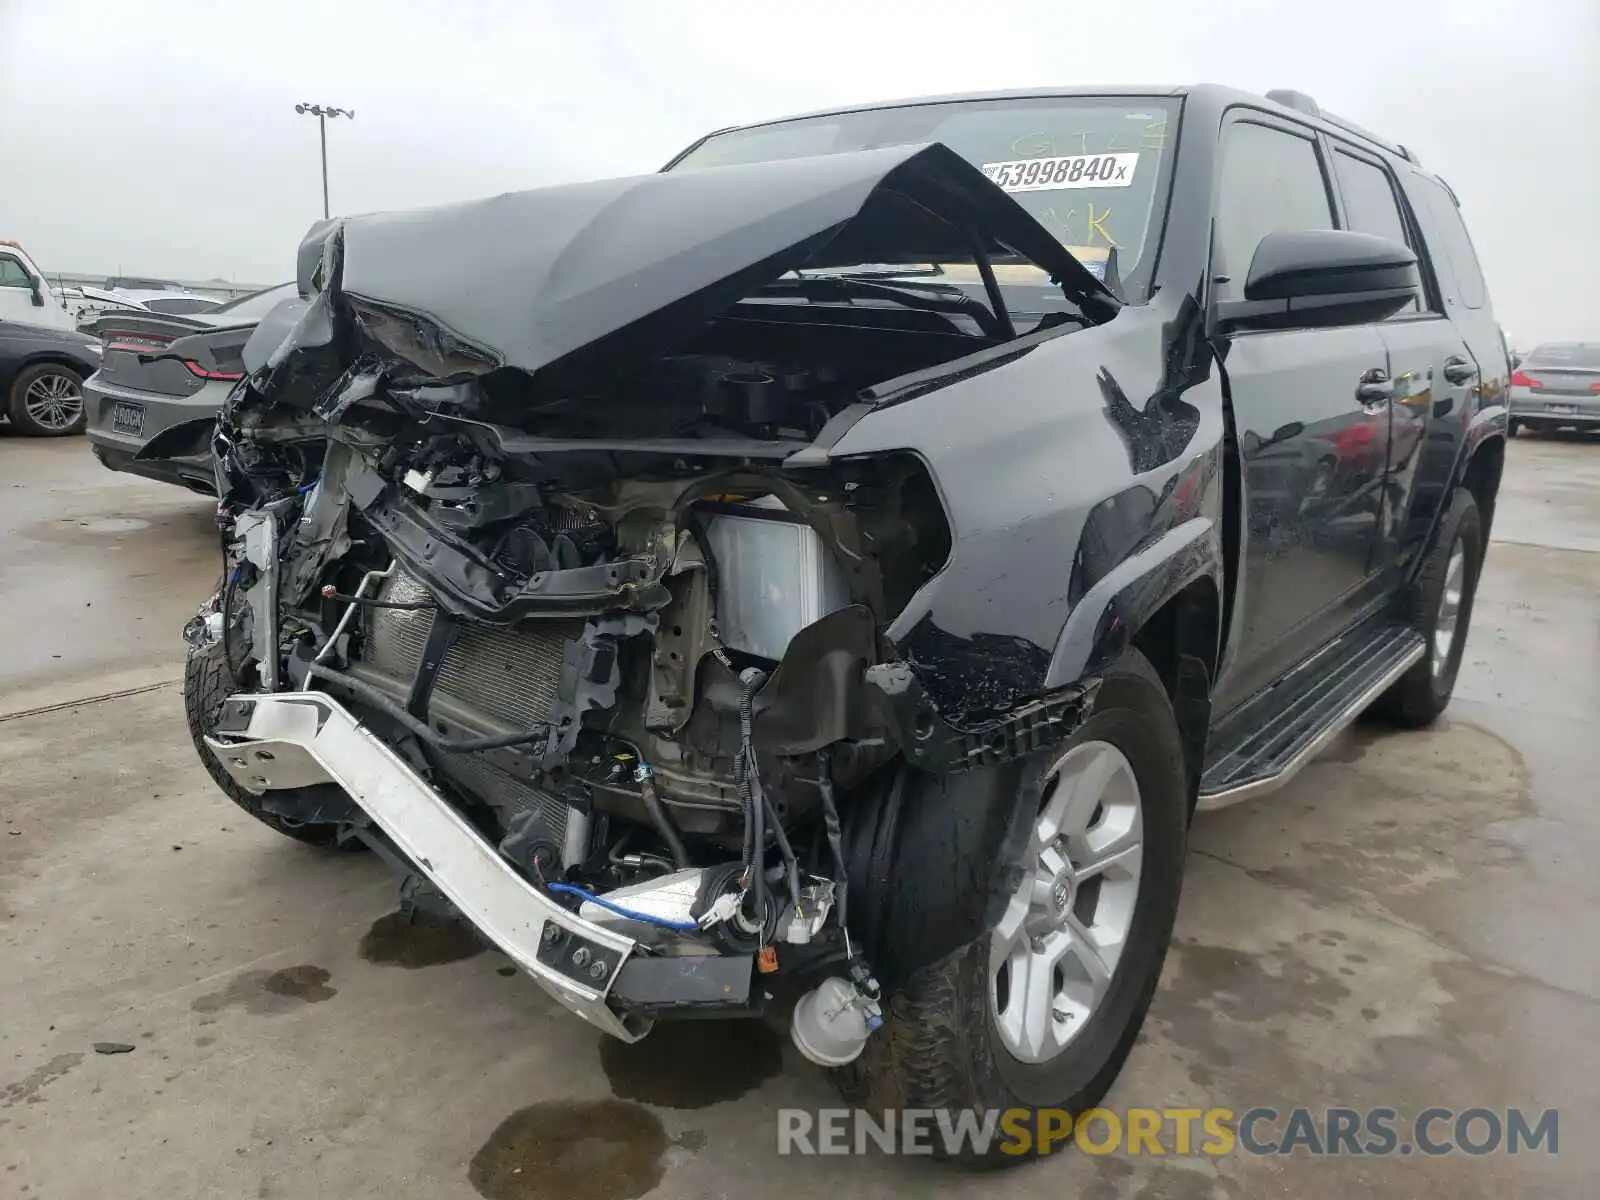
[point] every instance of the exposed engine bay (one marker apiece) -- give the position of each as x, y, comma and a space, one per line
624, 615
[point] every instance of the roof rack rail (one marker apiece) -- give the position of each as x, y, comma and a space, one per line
1298, 101
1301, 102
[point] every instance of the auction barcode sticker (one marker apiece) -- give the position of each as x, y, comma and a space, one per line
1066, 171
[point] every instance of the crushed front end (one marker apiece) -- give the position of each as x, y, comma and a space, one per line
565, 607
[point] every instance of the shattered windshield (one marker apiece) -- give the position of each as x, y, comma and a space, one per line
1091, 170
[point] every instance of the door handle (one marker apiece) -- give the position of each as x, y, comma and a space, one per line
1375, 390
1459, 370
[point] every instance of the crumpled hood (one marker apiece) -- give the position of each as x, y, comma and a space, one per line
585, 275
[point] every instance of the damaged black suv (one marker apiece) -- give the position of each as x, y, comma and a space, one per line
851, 555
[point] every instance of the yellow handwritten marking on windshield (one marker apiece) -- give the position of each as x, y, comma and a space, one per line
1051, 219
1040, 144
1097, 226
1033, 145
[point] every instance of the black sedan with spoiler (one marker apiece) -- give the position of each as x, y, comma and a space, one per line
163, 376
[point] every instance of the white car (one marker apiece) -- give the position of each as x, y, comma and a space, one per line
89, 302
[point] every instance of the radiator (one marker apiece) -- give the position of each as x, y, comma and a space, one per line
512, 674
506, 677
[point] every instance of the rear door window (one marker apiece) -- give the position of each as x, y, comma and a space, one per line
1271, 180
1370, 205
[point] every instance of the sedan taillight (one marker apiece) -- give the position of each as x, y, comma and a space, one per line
1523, 379
200, 372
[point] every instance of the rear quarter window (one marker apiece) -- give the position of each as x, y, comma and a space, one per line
1448, 243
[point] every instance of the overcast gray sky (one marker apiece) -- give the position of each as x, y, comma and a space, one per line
159, 137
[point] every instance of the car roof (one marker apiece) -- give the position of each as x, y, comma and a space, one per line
1565, 349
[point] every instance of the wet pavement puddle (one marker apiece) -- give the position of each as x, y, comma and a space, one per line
28, 1087
270, 992
693, 1064
411, 941
573, 1150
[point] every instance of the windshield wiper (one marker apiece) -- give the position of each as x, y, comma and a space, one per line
912, 293
877, 271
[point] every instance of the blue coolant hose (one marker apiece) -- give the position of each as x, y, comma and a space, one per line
572, 889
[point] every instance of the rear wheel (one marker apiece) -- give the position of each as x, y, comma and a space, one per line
1439, 606
207, 682
1042, 1011
1512, 427
47, 401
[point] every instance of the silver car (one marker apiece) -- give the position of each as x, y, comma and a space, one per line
1557, 386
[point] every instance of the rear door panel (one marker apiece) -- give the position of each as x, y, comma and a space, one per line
1428, 421
1474, 334
1428, 410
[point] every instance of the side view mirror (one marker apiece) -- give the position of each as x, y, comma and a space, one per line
37, 291
1309, 278
1516, 360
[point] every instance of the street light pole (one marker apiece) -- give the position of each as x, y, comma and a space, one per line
322, 112
322, 133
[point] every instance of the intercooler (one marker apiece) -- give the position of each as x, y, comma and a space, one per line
492, 680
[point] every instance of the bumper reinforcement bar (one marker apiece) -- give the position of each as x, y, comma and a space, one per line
295, 739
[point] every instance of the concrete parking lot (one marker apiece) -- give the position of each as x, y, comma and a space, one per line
1413, 922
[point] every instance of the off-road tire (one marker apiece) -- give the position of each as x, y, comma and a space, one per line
939, 1048
17, 408
207, 682
1420, 695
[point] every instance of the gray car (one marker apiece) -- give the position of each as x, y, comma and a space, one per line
168, 373
1557, 386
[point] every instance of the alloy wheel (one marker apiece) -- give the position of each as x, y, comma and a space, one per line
1444, 625
1056, 948
54, 401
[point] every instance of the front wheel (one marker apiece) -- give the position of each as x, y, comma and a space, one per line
207, 683
1042, 1011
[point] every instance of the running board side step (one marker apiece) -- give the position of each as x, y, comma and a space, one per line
1273, 752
